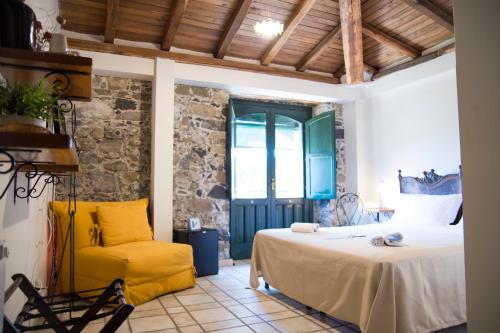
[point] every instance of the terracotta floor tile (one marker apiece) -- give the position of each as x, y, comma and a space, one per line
295, 325
263, 328
147, 324
266, 307
212, 315
195, 299
183, 319
222, 325
240, 311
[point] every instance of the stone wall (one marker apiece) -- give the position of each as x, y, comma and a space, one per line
199, 160
200, 184
114, 137
324, 210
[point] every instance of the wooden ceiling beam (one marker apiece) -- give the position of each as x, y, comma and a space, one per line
352, 39
389, 70
232, 28
432, 11
318, 49
175, 19
393, 43
341, 70
111, 17
195, 60
300, 12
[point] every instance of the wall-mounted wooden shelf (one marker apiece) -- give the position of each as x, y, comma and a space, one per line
48, 152
27, 66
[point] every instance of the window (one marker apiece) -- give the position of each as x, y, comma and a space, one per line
249, 157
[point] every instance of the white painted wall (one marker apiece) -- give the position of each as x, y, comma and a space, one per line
411, 126
23, 226
478, 50
23, 229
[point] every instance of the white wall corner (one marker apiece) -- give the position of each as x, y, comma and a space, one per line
162, 148
108, 64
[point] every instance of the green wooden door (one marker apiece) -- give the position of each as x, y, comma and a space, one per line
266, 167
320, 157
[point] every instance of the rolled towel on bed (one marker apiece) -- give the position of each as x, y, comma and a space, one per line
394, 239
304, 227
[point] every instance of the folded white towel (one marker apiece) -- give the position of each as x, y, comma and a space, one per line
394, 239
304, 227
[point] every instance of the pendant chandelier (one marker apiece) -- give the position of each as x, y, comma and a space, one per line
268, 28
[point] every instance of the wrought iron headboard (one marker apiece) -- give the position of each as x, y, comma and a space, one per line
431, 184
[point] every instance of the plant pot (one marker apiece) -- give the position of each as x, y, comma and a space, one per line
15, 123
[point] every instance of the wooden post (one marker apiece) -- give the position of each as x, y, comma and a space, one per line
352, 39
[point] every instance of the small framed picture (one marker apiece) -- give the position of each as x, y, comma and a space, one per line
194, 224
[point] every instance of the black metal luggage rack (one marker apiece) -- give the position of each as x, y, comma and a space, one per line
68, 312
56, 311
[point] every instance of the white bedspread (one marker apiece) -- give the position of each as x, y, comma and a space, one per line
416, 288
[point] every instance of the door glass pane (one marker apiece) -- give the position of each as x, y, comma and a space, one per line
249, 157
289, 158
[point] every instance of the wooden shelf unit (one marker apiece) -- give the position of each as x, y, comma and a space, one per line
54, 153
27, 66
48, 152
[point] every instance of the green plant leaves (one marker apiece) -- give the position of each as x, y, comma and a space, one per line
33, 101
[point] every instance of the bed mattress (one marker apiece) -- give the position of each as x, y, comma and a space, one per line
416, 288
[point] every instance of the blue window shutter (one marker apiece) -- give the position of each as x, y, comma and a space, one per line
320, 157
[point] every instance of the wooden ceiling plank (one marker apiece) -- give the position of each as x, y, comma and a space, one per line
111, 18
384, 38
444, 50
318, 49
232, 28
195, 59
352, 39
432, 11
173, 23
300, 12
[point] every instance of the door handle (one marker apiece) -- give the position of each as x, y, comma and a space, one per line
273, 184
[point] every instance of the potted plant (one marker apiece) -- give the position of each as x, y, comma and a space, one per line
27, 107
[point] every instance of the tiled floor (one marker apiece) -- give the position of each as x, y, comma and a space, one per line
224, 303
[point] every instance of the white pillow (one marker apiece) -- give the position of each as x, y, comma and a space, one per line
437, 210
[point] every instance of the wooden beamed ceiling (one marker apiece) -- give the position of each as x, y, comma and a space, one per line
300, 12
173, 23
434, 12
111, 16
232, 28
318, 49
322, 38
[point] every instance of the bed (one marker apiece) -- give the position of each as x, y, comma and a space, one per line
416, 288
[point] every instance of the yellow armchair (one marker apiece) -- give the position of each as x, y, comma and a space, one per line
149, 268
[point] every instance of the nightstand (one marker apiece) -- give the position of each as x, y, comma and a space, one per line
205, 245
378, 213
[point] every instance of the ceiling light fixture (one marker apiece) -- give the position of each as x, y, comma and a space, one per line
268, 28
